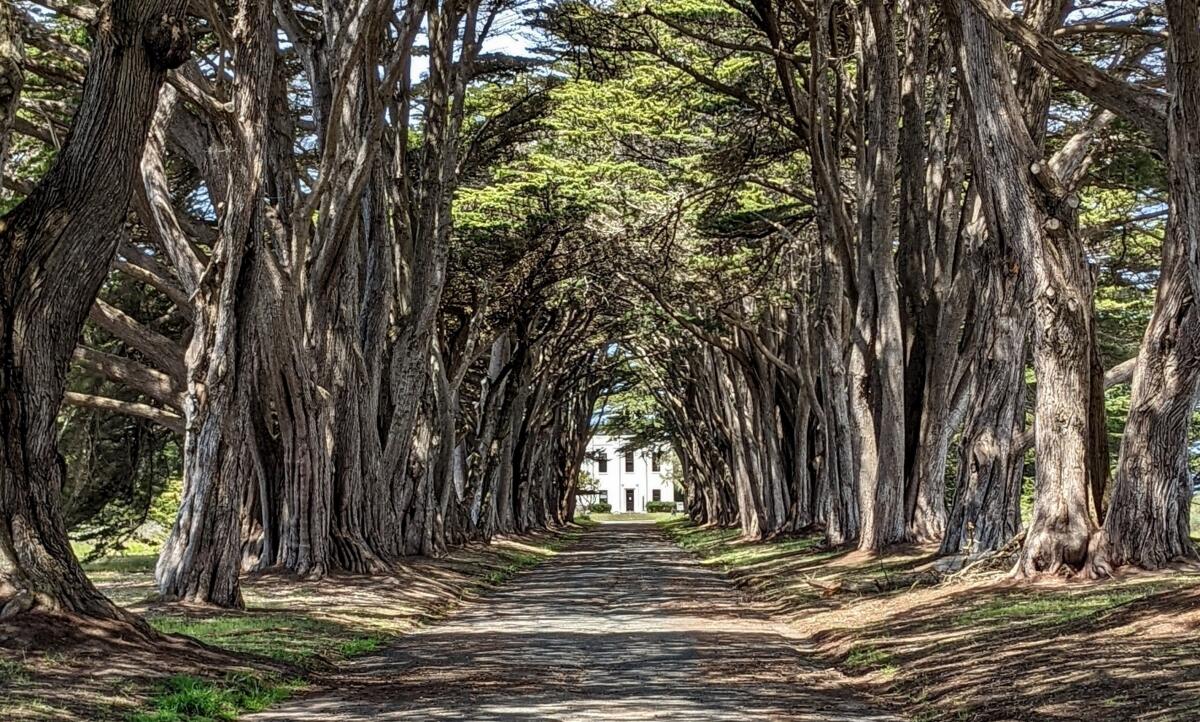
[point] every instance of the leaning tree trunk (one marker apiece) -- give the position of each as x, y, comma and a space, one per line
1148, 517
55, 250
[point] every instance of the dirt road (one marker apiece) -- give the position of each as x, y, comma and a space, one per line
624, 626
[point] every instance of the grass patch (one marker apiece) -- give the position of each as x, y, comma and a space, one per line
184, 698
12, 671
359, 645
862, 659
296, 639
636, 516
123, 564
1054, 608
518, 560
723, 547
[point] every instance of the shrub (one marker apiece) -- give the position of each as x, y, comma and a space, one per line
660, 506
600, 507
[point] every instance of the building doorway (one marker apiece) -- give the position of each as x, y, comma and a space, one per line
629, 500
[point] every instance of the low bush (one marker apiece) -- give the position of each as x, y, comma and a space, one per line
600, 507
655, 507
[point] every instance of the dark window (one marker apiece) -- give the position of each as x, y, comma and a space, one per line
602, 464
628, 461
656, 495
654, 464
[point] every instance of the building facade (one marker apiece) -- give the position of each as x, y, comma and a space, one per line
626, 479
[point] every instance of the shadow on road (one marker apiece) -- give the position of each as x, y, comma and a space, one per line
623, 627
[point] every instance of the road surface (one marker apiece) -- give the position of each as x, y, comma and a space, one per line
623, 626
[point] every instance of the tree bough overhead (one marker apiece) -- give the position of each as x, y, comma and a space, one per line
361, 280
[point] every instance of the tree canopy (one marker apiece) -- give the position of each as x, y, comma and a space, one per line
358, 281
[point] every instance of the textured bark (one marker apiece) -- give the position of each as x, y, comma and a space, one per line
877, 365
986, 511
201, 558
55, 249
1147, 524
1026, 212
12, 77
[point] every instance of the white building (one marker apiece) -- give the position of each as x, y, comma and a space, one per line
627, 479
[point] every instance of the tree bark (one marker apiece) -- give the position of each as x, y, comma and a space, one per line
55, 249
201, 558
1147, 524
877, 370
1026, 211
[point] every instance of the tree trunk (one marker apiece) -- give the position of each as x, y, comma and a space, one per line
986, 511
1026, 211
55, 250
1147, 524
201, 558
877, 374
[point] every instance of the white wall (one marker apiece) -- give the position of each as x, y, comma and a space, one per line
616, 481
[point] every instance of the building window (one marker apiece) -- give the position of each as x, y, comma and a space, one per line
654, 465
656, 495
604, 495
602, 463
628, 461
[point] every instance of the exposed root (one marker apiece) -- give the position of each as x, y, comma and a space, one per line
1000, 560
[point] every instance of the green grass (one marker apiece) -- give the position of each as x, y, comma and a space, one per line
123, 564
723, 547
862, 659
634, 516
359, 645
292, 638
184, 698
12, 671
1055, 608
517, 560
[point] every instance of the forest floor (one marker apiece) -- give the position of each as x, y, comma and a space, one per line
984, 649
292, 635
623, 626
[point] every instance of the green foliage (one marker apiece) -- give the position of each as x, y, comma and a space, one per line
600, 507
123, 473
184, 698
654, 507
587, 482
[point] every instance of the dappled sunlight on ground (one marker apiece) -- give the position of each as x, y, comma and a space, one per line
622, 627
983, 649
290, 628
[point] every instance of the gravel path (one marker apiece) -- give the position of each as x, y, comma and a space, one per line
624, 626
